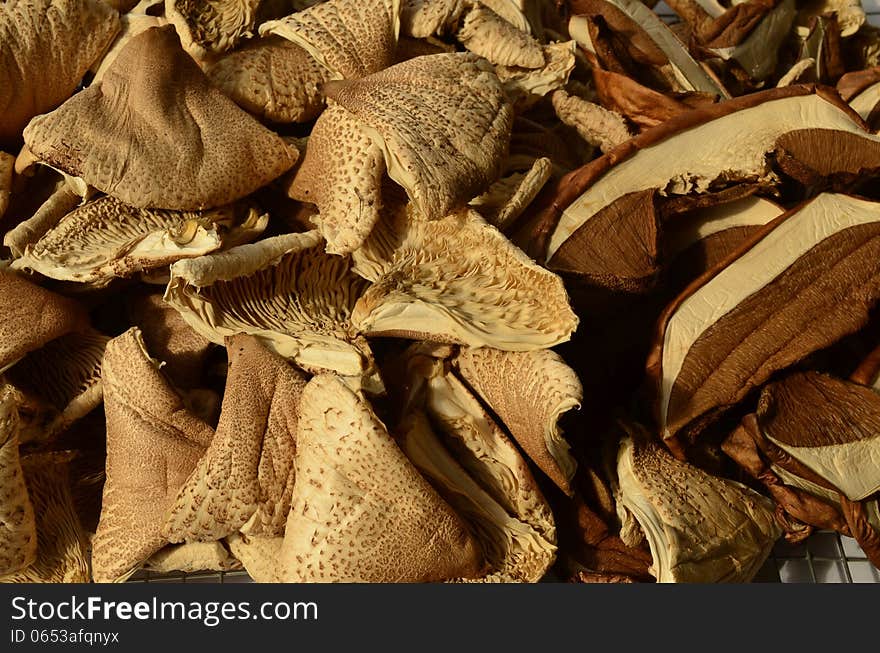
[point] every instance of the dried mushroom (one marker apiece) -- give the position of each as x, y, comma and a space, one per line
62, 543
18, 535
798, 285
192, 556
459, 280
172, 113
46, 46
258, 555
701, 528
153, 445
209, 27
487, 34
286, 291
360, 511
507, 198
246, 475
7, 161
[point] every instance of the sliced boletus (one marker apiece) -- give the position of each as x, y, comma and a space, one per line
297, 300
530, 392
18, 535
46, 47
170, 113
247, 472
459, 280
861, 89
360, 511
701, 528
153, 445
801, 283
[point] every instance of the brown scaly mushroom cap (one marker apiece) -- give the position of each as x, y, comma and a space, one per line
153, 445
18, 535
258, 555
32, 317
350, 38
360, 511
220, 153
210, 27
62, 544
247, 473
46, 46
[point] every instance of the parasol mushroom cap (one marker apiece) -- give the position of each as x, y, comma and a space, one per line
525, 86
342, 174
299, 300
360, 511
273, 79
32, 317
7, 163
459, 280
131, 25
192, 557
258, 555
487, 34
154, 106
208, 27
506, 199
18, 536
153, 445
46, 47
247, 471
442, 122
350, 38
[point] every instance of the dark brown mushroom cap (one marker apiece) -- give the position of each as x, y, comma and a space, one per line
155, 133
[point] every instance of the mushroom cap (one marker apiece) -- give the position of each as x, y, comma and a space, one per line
27, 232
131, 25
62, 543
460, 280
342, 174
208, 27
594, 123
360, 511
247, 471
46, 47
106, 239
18, 535
299, 299
182, 349
424, 18
154, 106
258, 555
350, 38
32, 316
526, 85
506, 199
529, 391
153, 445
442, 122
273, 79
66, 376
701, 528
487, 34
191, 557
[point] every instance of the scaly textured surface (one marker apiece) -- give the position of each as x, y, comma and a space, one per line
211, 26
18, 534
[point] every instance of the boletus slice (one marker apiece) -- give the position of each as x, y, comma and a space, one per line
701, 528
801, 283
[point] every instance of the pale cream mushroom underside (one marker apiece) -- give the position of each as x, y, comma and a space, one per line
360, 511
286, 291
458, 280
247, 472
153, 445
525, 86
506, 199
154, 107
700, 528
350, 38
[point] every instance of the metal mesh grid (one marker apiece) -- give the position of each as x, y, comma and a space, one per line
825, 557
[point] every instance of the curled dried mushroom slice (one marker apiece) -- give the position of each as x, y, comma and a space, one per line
487, 34
800, 284
153, 445
106, 239
62, 543
119, 135
247, 472
525, 86
18, 535
273, 79
210, 27
360, 511
701, 528
296, 299
506, 199
459, 280
596, 125
442, 122
32, 316
350, 38
47, 46
60, 202
529, 391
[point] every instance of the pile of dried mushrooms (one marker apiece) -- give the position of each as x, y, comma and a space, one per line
436, 290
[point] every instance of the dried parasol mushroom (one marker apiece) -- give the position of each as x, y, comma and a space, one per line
46, 46
246, 475
153, 445
7, 161
360, 512
701, 528
172, 113
18, 535
209, 27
